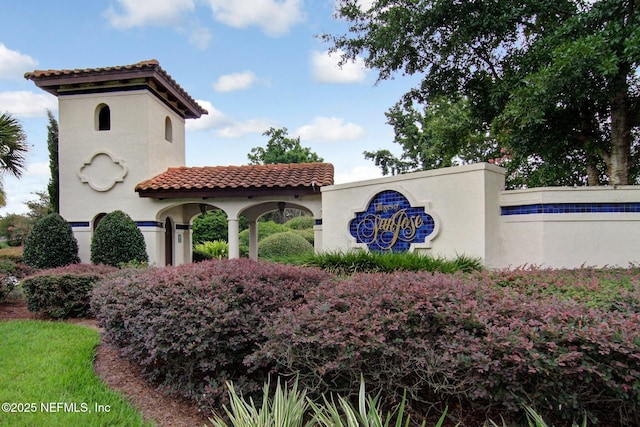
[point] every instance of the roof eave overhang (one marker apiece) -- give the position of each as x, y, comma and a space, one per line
153, 79
229, 192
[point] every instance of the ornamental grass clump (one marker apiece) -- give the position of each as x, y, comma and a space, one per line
216, 249
287, 408
193, 327
359, 261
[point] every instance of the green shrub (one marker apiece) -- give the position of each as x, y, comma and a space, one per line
63, 292
360, 261
265, 229
51, 243
118, 240
210, 226
307, 233
301, 222
283, 245
8, 267
217, 249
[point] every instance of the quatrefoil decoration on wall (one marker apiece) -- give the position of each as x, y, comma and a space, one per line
102, 171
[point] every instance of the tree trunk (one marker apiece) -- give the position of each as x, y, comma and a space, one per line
593, 176
621, 138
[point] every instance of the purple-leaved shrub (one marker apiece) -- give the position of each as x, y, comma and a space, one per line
473, 339
191, 327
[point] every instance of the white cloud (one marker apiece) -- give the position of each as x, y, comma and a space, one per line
137, 13
358, 173
27, 104
330, 129
215, 118
21, 190
326, 69
235, 81
38, 169
274, 17
240, 129
200, 37
366, 4
224, 126
14, 64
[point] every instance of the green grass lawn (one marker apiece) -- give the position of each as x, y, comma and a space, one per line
47, 378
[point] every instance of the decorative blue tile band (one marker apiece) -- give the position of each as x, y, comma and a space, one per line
138, 223
78, 224
318, 221
183, 227
390, 223
563, 208
149, 224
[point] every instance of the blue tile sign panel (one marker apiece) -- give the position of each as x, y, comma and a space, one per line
390, 223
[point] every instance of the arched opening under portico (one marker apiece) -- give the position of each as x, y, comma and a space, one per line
168, 241
183, 213
251, 191
254, 212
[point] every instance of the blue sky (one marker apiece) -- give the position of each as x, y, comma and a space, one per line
252, 64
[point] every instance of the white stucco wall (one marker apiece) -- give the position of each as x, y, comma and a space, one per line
570, 240
100, 169
468, 201
464, 201
135, 144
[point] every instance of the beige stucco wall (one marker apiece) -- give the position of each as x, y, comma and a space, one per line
135, 145
100, 169
463, 200
570, 240
467, 202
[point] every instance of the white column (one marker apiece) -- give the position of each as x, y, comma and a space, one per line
234, 240
253, 239
317, 238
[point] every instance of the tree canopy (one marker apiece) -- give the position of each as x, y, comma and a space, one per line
52, 143
547, 88
282, 149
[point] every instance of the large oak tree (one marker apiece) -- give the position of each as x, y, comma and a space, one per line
551, 85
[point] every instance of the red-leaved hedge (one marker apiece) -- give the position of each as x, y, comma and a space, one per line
191, 327
565, 343
454, 338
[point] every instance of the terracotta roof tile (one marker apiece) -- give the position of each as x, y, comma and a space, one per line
304, 176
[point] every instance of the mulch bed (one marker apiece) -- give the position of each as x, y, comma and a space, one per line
125, 378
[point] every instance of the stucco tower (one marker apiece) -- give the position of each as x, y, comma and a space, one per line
118, 126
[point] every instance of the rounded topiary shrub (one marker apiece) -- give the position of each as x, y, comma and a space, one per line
51, 244
301, 222
117, 240
307, 233
283, 244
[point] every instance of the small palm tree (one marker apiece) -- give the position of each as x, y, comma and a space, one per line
13, 149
